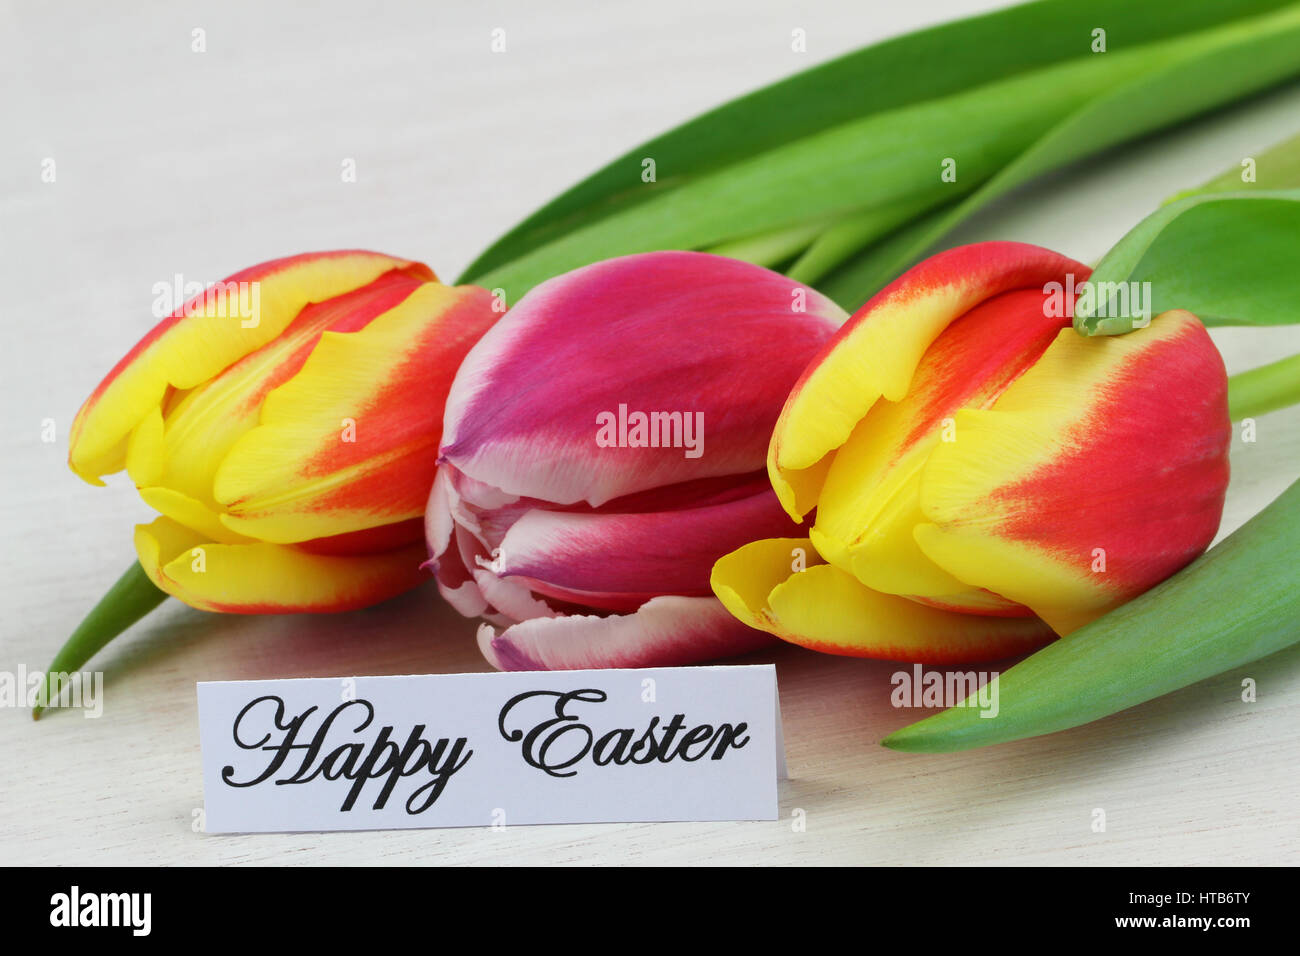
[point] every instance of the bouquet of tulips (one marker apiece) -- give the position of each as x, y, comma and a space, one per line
663, 422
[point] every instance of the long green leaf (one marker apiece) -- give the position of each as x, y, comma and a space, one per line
907, 71
871, 162
1235, 604
1245, 59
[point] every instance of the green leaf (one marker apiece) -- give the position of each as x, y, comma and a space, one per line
916, 71
1229, 258
1178, 633
854, 232
770, 248
1243, 59
1277, 167
871, 162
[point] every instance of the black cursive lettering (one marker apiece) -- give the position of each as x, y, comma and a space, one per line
359, 761
558, 742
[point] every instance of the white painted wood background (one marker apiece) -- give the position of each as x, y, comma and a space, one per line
201, 163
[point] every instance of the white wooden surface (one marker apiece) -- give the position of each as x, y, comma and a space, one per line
173, 161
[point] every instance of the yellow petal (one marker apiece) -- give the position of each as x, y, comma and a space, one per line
877, 351
351, 441
186, 350
146, 450
163, 541
827, 610
261, 578
743, 579
191, 513
870, 503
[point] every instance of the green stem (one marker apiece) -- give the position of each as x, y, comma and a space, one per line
1264, 389
131, 598
854, 233
770, 248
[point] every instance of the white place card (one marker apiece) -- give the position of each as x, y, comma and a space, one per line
492, 750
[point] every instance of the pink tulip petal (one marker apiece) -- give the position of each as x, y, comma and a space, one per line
670, 332
508, 597
665, 632
456, 581
700, 493
478, 495
634, 555
578, 601
438, 521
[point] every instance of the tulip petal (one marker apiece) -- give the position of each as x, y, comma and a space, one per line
161, 542
664, 632
618, 561
204, 423
827, 610
1137, 424
384, 537
456, 582
206, 335
261, 578
190, 512
145, 460
438, 523
714, 341
450, 526
743, 579
351, 440
870, 503
877, 351
507, 597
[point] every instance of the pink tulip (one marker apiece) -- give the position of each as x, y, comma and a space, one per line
604, 444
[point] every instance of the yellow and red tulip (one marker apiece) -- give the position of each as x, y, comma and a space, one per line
288, 449
984, 479
588, 551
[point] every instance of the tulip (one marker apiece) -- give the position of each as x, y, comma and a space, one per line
984, 479
285, 425
604, 445
296, 446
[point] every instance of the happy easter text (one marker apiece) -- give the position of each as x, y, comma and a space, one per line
550, 727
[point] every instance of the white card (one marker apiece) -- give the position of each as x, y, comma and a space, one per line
497, 749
